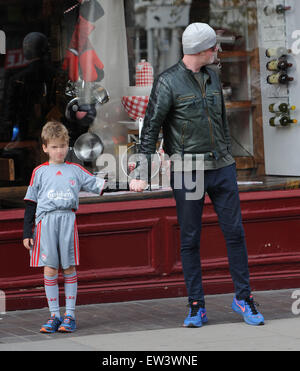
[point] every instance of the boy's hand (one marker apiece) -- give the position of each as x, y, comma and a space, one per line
28, 242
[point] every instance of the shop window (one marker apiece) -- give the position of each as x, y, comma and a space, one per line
84, 52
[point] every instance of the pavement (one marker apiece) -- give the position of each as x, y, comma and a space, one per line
155, 325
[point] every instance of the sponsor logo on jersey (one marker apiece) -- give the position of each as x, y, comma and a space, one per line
60, 195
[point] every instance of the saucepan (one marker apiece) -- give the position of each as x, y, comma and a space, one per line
88, 147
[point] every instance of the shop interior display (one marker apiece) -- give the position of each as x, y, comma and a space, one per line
256, 62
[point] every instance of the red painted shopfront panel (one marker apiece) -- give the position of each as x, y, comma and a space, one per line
131, 250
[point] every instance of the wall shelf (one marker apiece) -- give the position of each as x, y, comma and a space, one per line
229, 54
244, 162
238, 105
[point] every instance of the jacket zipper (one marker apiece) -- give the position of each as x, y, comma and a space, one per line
208, 117
182, 137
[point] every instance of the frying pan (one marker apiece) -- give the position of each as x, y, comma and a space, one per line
88, 147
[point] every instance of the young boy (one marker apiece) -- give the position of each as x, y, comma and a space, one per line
51, 201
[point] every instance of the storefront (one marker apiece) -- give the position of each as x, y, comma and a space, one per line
129, 242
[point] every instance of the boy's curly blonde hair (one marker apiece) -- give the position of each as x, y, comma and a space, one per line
54, 130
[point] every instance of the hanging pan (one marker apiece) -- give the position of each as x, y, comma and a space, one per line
88, 147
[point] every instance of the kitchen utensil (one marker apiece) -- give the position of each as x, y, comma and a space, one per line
88, 147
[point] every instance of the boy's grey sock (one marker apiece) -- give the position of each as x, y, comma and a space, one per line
52, 294
70, 293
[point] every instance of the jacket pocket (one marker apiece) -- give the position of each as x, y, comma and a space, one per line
186, 97
184, 102
188, 106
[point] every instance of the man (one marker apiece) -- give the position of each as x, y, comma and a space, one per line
187, 102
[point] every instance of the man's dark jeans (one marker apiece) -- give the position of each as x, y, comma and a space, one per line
221, 186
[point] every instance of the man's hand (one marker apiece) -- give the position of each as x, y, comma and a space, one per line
28, 242
137, 185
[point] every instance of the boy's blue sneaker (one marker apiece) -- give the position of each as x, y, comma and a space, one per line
248, 310
197, 316
52, 325
68, 324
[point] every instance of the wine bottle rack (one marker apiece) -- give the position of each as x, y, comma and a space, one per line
281, 143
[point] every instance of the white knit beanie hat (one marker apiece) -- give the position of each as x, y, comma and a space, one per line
198, 37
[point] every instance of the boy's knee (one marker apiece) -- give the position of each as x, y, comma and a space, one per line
50, 272
69, 270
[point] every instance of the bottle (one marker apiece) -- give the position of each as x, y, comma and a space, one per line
279, 78
283, 64
281, 107
280, 9
282, 121
268, 10
278, 64
277, 52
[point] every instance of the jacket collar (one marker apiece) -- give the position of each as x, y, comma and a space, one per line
206, 71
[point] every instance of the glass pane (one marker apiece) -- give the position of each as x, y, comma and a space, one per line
76, 52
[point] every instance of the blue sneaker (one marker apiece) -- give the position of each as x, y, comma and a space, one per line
68, 324
248, 310
197, 316
51, 325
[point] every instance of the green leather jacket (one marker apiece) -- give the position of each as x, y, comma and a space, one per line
192, 115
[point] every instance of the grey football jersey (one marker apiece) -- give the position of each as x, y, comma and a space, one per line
56, 187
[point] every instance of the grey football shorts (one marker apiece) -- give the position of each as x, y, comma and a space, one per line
56, 241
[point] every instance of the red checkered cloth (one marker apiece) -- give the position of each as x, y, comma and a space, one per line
144, 74
135, 106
